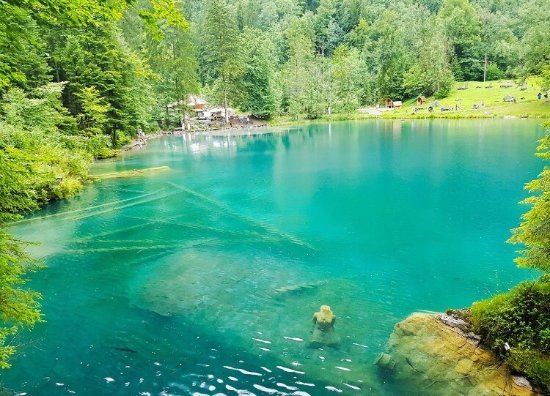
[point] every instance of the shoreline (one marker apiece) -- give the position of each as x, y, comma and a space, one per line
283, 126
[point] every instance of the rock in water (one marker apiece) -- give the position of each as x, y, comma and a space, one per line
430, 354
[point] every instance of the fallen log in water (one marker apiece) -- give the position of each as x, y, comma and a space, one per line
130, 173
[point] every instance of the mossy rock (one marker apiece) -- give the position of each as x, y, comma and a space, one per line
429, 357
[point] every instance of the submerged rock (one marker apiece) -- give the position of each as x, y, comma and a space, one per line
436, 354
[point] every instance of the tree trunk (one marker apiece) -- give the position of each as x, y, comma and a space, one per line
225, 104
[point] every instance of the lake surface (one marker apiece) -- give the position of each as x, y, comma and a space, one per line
203, 280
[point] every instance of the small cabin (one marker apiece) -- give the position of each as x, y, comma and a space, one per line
196, 102
421, 100
392, 104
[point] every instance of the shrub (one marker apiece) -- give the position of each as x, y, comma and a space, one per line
520, 318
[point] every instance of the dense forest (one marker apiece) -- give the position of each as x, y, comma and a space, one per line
78, 78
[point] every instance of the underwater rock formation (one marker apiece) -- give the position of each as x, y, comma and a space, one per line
435, 354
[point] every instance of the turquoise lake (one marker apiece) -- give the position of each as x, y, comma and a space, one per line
202, 280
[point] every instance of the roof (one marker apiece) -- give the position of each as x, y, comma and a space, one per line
193, 100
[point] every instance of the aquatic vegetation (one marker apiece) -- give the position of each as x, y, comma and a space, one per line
130, 173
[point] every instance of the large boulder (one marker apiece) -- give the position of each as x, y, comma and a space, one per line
436, 354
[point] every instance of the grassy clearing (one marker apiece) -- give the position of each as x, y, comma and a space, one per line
490, 93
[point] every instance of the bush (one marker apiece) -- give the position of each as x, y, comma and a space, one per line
520, 318
494, 72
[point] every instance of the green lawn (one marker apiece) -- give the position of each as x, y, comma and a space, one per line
491, 94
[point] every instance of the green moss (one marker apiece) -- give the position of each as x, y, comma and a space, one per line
521, 319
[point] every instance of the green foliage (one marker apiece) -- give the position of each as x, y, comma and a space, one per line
256, 85
533, 363
221, 50
494, 73
431, 73
534, 230
18, 307
346, 74
463, 27
39, 161
94, 114
520, 318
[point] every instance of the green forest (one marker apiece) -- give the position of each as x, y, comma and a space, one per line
78, 78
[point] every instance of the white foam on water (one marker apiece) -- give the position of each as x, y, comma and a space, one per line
360, 345
304, 383
294, 339
211, 388
289, 370
281, 385
200, 394
300, 393
262, 341
333, 389
109, 379
157, 364
243, 371
59, 383
266, 390
144, 394
266, 369
343, 368
219, 381
296, 363
210, 376
352, 386
265, 349
239, 391
233, 379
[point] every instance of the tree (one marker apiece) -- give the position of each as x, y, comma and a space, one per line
430, 73
300, 55
256, 92
387, 55
221, 51
347, 74
463, 27
328, 32
534, 230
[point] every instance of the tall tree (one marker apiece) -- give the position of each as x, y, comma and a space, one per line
463, 27
300, 55
347, 74
221, 51
430, 73
256, 91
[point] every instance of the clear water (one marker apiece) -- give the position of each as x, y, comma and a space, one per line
203, 280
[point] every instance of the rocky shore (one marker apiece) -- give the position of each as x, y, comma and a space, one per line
436, 354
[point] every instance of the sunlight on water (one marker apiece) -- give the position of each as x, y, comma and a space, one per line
203, 280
